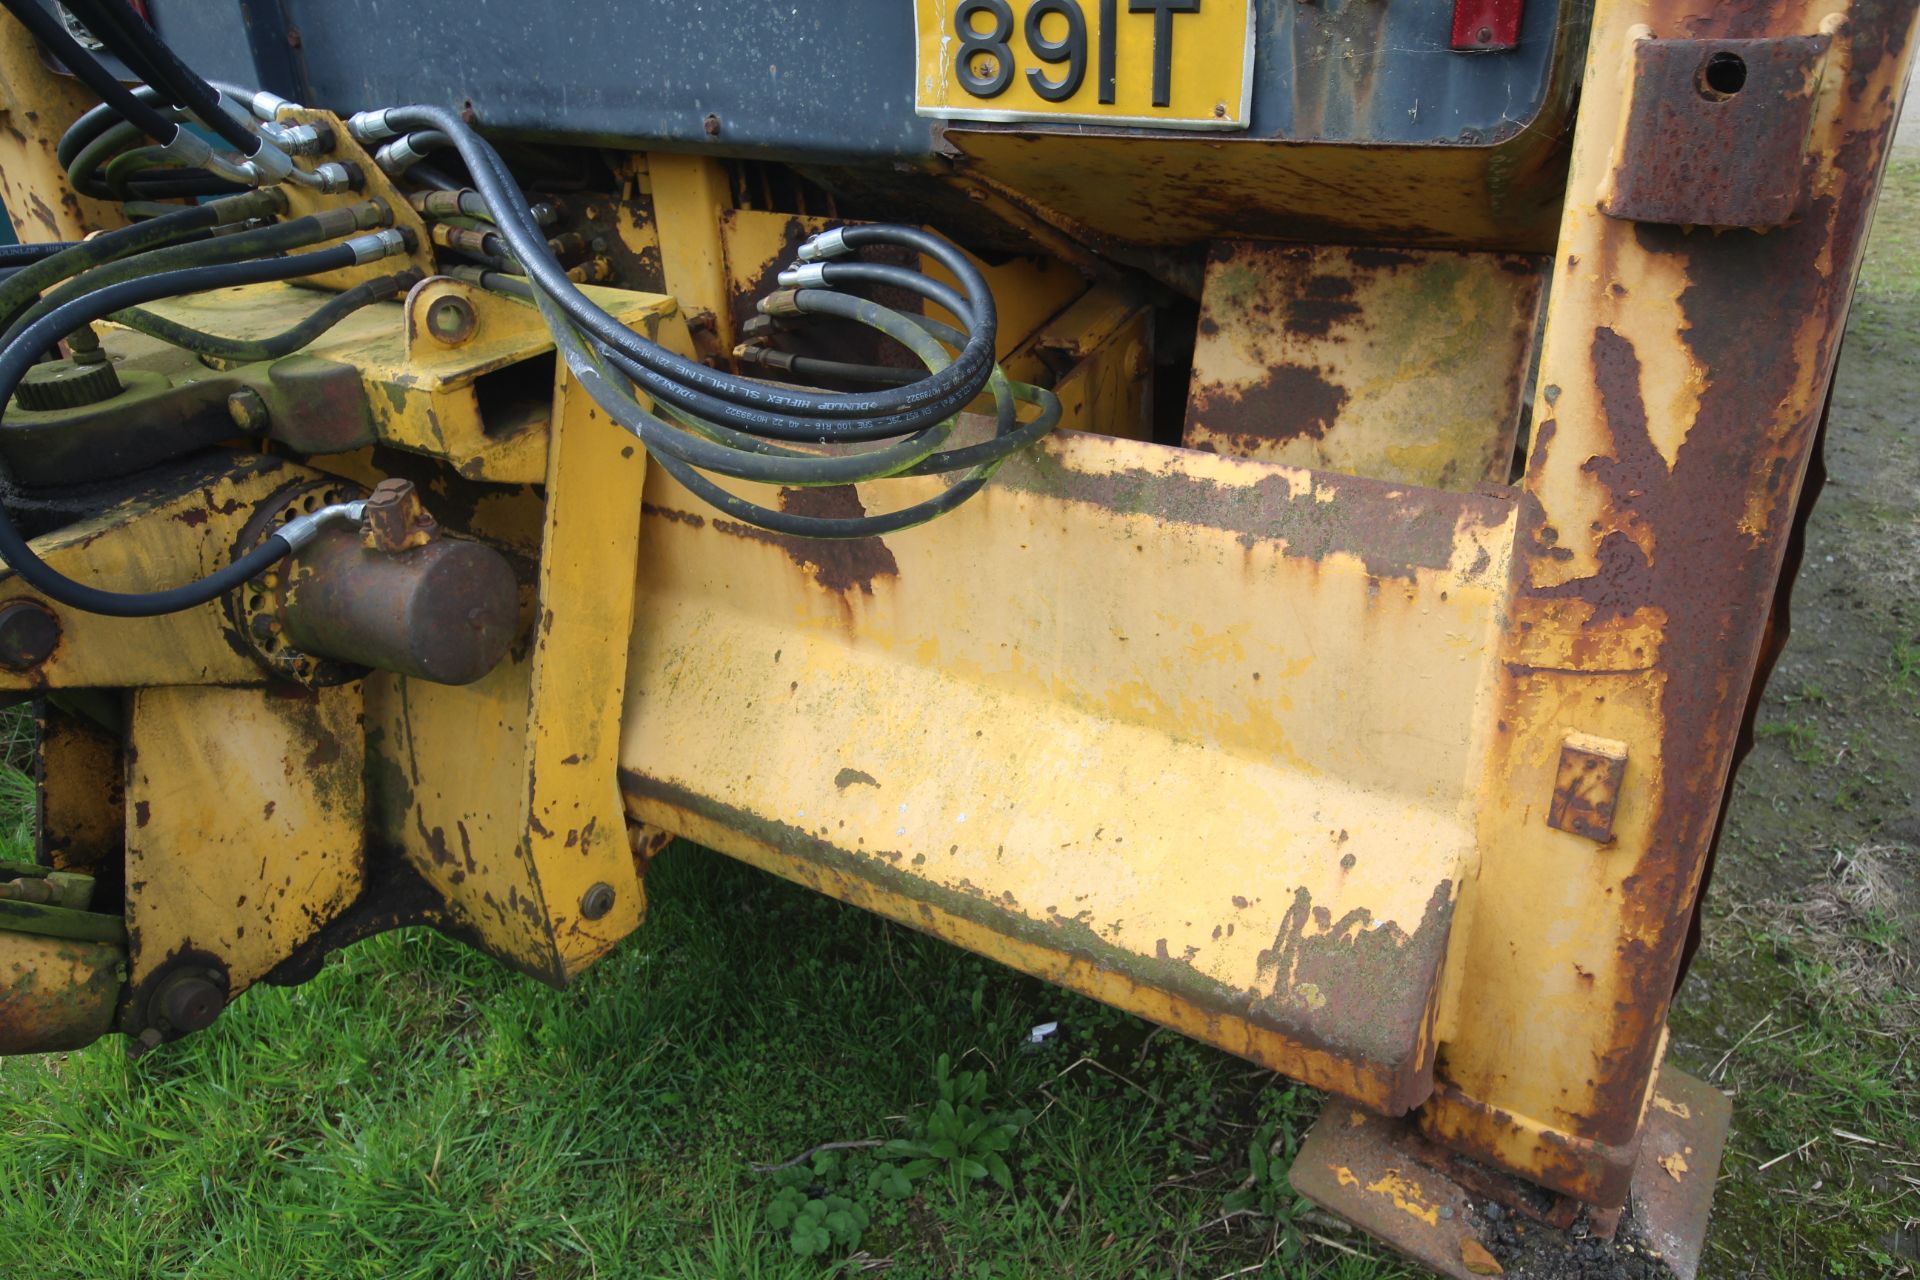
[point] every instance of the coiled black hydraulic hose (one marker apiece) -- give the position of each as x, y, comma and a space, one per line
788, 412
95, 121
19, 356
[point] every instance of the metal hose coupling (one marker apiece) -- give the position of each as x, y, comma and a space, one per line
371, 126
379, 244
804, 275
301, 530
400, 155
828, 244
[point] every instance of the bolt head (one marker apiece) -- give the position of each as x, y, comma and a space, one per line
28, 633
248, 410
596, 901
191, 1000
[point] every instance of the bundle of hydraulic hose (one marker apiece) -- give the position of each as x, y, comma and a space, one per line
696, 422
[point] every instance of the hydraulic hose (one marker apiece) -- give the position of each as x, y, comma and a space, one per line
278, 238
17, 357
764, 409
286, 342
49, 31
121, 29
96, 120
19, 255
19, 291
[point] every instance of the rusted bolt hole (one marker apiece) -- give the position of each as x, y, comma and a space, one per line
1724, 75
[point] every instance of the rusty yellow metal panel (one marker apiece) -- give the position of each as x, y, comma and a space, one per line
1394, 363
689, 193
1093, 180
525, 837
56, 993
1682, 377
174, 535
81, 785
576, 837
479, 398
1097, 355
1231, 819
245, 821
39, 104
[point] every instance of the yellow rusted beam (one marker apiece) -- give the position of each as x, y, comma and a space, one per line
1682, 377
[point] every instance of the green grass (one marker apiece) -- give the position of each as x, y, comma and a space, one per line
417, 1111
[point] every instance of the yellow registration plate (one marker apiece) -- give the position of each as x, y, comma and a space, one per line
1170, 64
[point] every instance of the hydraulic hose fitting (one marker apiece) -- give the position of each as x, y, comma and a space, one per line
398, 156
189, 149
301, 139
371, 126
266, 106
301, 530
330, 178
366, 215
764, 357
268, 165
468, 240
827, 244
378, 245
781, 302
804, 275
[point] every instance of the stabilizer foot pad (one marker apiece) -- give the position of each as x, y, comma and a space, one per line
1380, 1175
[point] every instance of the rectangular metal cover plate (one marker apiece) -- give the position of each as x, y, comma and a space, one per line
1169, 64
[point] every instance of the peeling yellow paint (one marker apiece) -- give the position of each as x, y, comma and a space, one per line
1407, 1197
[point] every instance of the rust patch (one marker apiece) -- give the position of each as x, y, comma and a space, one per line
1324, 302
1292, 402
689, 518
1364, 984
1717, 131
1587, 785
841, 565
1701, 540
1394, 530
848, 777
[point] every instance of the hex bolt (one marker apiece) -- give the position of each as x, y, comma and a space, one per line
248, 410
596, 901
712, 125
28, 633
451, 320
190, 1001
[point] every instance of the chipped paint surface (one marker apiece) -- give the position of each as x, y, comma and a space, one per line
36, 106
1682, 376
1063, 657
1399, 364
247, 813
56, 993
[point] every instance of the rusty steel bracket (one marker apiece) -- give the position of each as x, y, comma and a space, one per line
1716, 132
